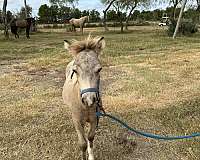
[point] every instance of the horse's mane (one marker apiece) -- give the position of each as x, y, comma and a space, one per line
90, 43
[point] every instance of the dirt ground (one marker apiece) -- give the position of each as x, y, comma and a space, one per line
149, 80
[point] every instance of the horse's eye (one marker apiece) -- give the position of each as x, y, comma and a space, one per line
74, 71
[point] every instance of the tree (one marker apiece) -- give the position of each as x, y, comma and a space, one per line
54, 9
44, 13
108, 3
25, 8
198, 9
94, 16
112, 15
64, 13
198, 5
157, 14
85, 13
135, 15
1, 16
179, 18
129, 5
63, 2
5, 19
75, 13
24, 13
175, 4
119, 6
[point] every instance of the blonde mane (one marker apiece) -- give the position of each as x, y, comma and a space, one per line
90, 43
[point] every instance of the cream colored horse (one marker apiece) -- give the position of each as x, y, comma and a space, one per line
79, 22
81, 89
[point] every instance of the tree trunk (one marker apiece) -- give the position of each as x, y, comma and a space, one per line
122, 26
104, 21
174, 12
198, 5
120, 15
128, 17
25, 6
105, 15
179, 18
198, 9
5, 19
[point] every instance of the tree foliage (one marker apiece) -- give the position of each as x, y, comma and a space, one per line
63, 2
61, 14
124, 9
22, 13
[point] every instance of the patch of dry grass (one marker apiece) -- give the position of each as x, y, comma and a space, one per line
148, 79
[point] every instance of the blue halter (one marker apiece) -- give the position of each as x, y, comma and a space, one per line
96, 90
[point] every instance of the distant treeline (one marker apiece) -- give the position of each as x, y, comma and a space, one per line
55, 14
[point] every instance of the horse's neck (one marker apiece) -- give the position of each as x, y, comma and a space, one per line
83, 19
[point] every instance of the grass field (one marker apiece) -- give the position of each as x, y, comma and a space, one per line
149, 80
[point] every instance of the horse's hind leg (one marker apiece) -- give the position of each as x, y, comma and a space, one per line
81, 138
91, 134
74, 28
17, 35
81, 29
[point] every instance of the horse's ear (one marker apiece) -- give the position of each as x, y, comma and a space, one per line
101, 43
67, 44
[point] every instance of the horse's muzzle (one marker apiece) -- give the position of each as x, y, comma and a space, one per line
89, 99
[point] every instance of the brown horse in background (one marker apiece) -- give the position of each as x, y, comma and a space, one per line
26, 23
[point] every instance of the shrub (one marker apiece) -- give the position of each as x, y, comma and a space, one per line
186, 27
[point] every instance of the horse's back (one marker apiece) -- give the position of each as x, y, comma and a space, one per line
21, 23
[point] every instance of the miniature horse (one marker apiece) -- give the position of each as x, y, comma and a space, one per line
15, 24
81, 89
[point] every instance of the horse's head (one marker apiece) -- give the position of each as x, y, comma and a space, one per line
30, 20
87, 67
87, 18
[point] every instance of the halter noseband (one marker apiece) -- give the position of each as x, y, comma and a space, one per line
96, 90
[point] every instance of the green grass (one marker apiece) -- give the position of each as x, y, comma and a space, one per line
149, 80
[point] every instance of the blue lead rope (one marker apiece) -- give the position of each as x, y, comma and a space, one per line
149, 135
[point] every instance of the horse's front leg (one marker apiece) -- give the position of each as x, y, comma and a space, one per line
81, 138
91, 134
81, 29
27, 32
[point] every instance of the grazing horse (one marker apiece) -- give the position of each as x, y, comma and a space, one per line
79, 23
81, 89
15, 24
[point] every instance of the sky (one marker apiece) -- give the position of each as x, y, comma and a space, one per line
15, 5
